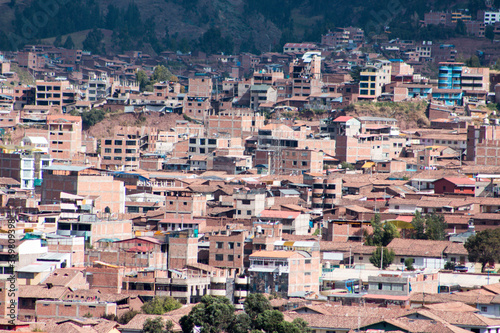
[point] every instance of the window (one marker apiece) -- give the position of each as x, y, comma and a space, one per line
219, 257
308, 261
107, 150
117, 158
230, 257
118, 151
230, 245
107, 142
219, 245
238, 244
118, 142
484, 309
360, 258
249, 212
246, 202
130, 142
304, 163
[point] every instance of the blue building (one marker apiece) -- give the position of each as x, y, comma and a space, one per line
450, 75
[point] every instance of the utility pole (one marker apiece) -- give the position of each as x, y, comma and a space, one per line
381, 257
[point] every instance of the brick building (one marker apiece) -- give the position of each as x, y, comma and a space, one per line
84, 181
292, 268
123, 150
65, 136
227, 251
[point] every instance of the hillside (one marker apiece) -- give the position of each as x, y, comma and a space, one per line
408, 114
153, 119
211, 25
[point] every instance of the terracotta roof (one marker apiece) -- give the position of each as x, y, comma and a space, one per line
272, 254
452, 307
63, 276
279, 214
425, 248
342, 119
461, 181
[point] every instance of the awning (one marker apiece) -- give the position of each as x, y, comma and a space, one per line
263, 269
368, 165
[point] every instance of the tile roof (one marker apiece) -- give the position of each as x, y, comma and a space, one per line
272, 254
425, 248
279, 214
461, 181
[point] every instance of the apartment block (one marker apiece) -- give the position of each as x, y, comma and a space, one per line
249, 204
56, 93
123, 150
30, 60
227, 251
342, 36
369, 147
203, 145
200, 86
65, 136
326, 192
25, 166
289, 270
84, 181
483, 145
196, 106
234, 122
180, 201
182, 248
298, 161
373, 78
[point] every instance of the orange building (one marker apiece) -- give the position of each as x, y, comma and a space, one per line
65, 136
109, 193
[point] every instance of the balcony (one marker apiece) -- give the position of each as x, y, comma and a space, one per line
241, 280
240, 293
217, 292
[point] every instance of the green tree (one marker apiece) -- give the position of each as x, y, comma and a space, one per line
127, 316
161, 74
302, 325
142, 78
435, 227
460, 28
157, 326
409, 264
160, 305
93, 42
489, 32
347, 166
68, 44
269, 321
484, 247
390, 232
473, 61
356, 74
375, 259
91, 117
450, 265
212, 315
431, 226
256, 304
241, 324
418, 223
376, 238
58, 41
